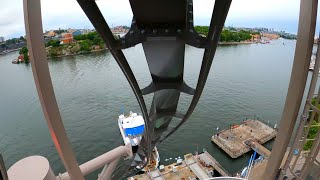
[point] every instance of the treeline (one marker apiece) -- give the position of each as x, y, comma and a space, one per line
227, 35
288, 36
87, 40
10, 42
83, 44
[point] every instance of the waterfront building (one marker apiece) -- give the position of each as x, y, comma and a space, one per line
76, 32
69, 30
270, 35
85, 31
255, 37
66, 38
50, 34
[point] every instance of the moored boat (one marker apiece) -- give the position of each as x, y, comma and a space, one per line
131, 129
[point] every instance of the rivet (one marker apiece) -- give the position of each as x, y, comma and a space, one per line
154, 31
131, 32
166, 30
179, 30
143, 31
191, 30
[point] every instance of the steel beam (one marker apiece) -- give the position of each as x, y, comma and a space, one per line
163, 28
219, 15
305, 38
41, 74
3, 170
301, 131
110, 157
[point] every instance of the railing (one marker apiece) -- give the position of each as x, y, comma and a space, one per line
3, 170
109, 160
310, 112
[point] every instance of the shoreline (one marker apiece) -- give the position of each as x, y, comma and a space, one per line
237, 43
92, 51
99, 50
9, 51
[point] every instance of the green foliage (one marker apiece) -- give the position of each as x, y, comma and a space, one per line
85, 46
12, 41
55, 51
60, 31
53, 43
24, 52
313, 130
288, 36
226, 35
203, 30
93, 37
22, 39
312, 134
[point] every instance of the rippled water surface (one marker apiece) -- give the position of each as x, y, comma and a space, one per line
245, 80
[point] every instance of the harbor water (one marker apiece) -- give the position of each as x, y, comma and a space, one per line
245, 81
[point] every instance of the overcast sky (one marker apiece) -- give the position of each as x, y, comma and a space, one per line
277, 14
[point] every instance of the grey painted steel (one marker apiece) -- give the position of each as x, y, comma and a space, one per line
3, 170
92, 11
301, 135
163, 28
40, 69
108, 170
218, 18
306, 32
110, 157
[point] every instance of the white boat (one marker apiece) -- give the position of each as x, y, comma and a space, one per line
131, 129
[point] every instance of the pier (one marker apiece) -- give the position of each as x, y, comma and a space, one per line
201, 166
254, 145
240, 139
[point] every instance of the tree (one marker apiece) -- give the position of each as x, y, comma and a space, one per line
3, 45
60, 31
226, 35
24, 52
22, 39
85, 46
53, 43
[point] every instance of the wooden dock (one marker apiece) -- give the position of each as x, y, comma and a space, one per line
233, 141
202, 166
254, 145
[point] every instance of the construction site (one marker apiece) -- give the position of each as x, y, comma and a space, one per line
239, 139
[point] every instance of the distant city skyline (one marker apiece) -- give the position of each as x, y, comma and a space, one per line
279, 15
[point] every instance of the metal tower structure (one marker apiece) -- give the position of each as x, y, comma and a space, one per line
283, 160
163, 28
